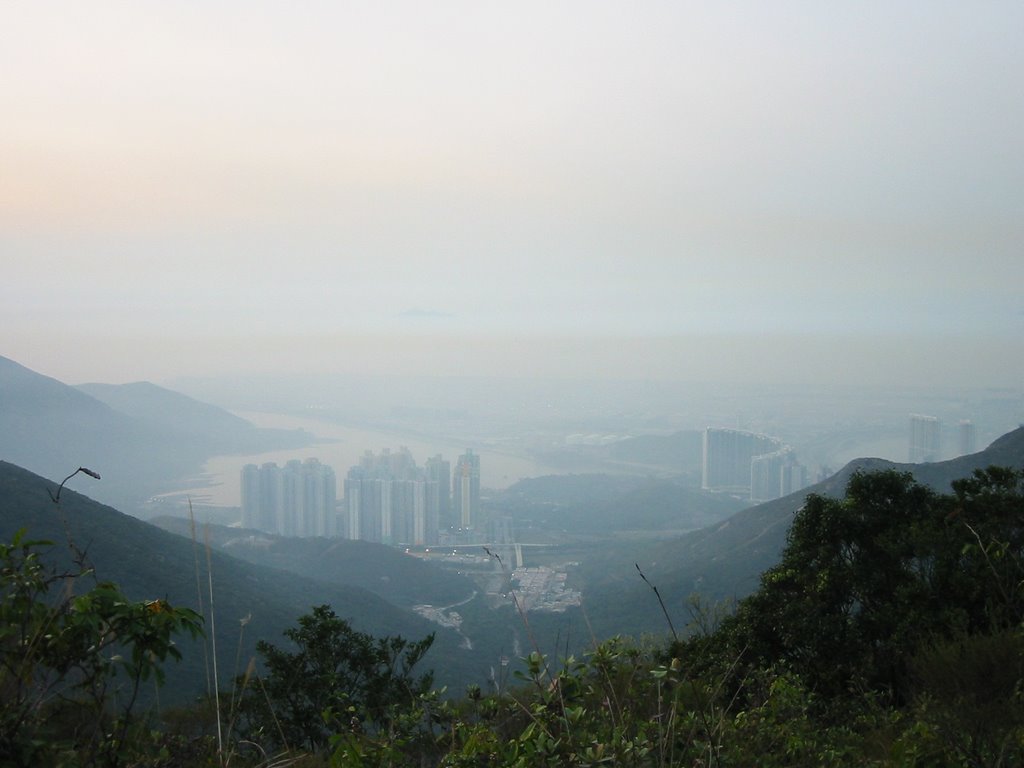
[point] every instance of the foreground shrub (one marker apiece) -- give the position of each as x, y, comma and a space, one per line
72, 665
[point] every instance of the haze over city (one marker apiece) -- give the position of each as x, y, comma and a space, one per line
524, 383
670, 191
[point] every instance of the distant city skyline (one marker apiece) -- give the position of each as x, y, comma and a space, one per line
667, 191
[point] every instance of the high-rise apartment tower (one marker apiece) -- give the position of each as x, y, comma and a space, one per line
924, 438
466, 490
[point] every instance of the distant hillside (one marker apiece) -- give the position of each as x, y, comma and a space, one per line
48, 427
565, 490
148, 562
217, 430
607, 503
726, 560
681, 451
677, 455
383, 570
140, 441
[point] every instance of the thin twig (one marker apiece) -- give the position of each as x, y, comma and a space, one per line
213, 640
991, 566
199, 593
661, 602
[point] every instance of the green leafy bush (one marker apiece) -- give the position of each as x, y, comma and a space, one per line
71, 665
337, 681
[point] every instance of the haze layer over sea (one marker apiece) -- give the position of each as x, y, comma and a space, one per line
526, 428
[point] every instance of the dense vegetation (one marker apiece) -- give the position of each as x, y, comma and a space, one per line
890, 633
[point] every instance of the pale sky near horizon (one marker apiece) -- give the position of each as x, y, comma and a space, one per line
205, 187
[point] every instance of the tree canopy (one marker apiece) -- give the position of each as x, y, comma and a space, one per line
869, 581
335, 678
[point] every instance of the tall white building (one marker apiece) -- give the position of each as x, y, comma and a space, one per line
389, 500
925, 440
252, 497
793, 479
967, 437
777, 474
299, 499
740, 462
466, 490
439, 472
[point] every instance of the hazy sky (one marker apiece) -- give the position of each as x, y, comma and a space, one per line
191, 187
